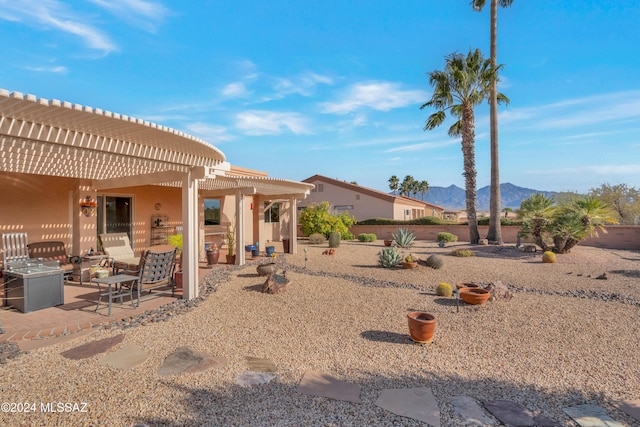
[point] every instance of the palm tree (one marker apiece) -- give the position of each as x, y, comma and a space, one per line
464, 83
424, 187
407, 185
495, 231
393, 184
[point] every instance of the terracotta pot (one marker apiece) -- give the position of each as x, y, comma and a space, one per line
388, 242
466, 285
409, 264
177, 276
422, 326
212, 256
474, 295
266, 269
231, 259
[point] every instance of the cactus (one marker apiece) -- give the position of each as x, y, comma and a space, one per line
548, 257
409, 258
389, 257
334, 239
403, 238
444, 290
434, 261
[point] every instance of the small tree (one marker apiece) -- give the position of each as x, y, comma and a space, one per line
316, 218
560, 228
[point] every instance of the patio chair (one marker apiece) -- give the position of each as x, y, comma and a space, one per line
14, 247
155, 272
55, 251
118, 247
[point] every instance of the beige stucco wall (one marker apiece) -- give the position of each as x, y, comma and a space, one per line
364, 206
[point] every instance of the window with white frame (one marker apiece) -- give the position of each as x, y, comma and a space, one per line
271, 213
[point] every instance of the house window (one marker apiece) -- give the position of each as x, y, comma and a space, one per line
320, 188
342, 208
272, 213
357, 197
211, 211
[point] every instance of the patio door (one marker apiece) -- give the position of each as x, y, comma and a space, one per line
115, 215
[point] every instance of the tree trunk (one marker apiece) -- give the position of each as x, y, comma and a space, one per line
495, 230
469, 160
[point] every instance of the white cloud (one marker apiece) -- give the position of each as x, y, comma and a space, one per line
381, 96
54, 14
53, 69
260, 122
140, 13
210, 133
235, 90
304, 84
424, 146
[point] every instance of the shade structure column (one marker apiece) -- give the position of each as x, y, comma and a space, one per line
190, 237
293, 225
240, 256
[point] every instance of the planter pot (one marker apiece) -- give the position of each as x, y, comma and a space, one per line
422, 326
388, 242
177, 277
442, 244
266, 269
474, 296
255, 252
270, 250
249, 248
231, 259
285, 245
466, 285
409, 264
213, 256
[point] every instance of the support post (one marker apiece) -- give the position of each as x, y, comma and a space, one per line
293, 225
190, 237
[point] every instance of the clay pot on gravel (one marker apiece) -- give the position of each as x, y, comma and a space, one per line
388, 242
475, 296
422, 326
466, 285
266, 269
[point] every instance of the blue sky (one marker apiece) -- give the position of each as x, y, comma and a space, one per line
295, 88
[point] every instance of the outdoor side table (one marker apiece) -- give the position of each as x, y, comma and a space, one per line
110, 282
86, 261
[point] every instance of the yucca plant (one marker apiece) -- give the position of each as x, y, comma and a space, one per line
403, 238
389, 257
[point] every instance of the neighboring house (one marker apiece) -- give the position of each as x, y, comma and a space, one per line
365, 203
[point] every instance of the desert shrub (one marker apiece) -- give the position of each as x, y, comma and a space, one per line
317, 239
403, 238
434, 261
427, 220
389, 257
367, 237
462, 252
443, 236
503, 221
444, 290
316, 218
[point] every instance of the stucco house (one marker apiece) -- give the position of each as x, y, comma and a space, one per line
144, 179
365, 203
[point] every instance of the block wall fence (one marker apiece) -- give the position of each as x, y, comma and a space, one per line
617, 236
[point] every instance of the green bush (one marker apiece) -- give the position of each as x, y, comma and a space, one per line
462, 252
367, 237
503, 221
427, 220
316, 218
447, 237
317, 239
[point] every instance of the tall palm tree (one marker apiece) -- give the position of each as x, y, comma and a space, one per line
393, 184
495, 230
407, 185
424, 187
464, 83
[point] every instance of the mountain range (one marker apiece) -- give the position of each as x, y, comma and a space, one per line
454, 198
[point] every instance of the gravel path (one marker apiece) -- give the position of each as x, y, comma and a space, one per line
565, 339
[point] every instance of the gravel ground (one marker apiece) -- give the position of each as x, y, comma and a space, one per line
564, 339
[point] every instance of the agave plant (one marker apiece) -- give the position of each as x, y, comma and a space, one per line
389, 257
403, 238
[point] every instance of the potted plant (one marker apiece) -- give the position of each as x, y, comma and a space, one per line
231, 243
409, 262
176, 240
422, 326
213, 254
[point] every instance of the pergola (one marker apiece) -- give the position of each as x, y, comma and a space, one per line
109, 150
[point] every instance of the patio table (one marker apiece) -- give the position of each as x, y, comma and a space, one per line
110, 294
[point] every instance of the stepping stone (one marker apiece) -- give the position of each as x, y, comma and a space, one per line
258, 364
416, 403
591, 416
630, 407
512, 414
318, 384
185, 359
126, 358
250, 378
470, 411
92, 348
